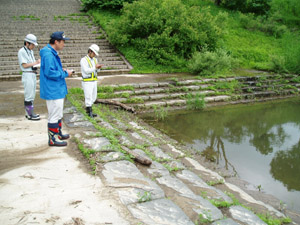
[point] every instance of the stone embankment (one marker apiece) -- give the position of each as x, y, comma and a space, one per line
191, 93
175, 189
42, 18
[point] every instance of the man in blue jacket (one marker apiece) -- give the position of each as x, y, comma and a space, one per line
53, 87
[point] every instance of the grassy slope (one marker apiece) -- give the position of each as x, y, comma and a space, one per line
253, 49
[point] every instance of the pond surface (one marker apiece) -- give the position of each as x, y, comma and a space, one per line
260, 142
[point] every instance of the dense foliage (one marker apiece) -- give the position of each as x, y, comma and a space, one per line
166, 36
207, 63
261, 23
104, 4
286, 12
167, 31
253, 6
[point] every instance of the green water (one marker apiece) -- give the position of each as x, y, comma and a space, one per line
260, 142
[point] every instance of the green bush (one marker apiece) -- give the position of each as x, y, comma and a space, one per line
208, 63
278, 64
104, 4
166, 31
260, 7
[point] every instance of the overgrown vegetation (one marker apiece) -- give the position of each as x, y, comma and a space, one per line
195, 101
210, 62
104, 4
160, 112
168, 32
253, 6
171, 36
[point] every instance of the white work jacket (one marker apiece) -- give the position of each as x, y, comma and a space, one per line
88, 68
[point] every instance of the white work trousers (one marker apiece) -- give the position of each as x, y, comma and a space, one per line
55, 110
29, 83
90, 92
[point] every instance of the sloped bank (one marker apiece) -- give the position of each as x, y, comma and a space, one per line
177, 188
196, 93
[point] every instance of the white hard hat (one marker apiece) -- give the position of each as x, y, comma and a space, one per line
31, 39
95, 48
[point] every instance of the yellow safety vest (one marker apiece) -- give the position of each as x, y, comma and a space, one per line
94, 75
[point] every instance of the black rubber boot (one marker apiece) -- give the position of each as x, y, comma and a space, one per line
89, 111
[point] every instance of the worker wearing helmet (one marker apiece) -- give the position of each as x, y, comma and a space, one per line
28, 67
89, 68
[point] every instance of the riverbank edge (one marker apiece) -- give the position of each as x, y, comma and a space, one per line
237, 181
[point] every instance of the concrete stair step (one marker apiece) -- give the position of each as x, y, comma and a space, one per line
265, 94
177, 102
14, 58
42, 30
145, 96
15, 75
66, 53
140, 92
160, 102
45, 40
116, 65
16, 70
4, 62
80, 28
77, 45
45, 36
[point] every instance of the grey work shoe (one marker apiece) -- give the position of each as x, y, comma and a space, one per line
33, 117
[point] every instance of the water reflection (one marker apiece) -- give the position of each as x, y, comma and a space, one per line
285, 167
260, 142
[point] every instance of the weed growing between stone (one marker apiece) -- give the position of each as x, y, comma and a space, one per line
268, 219
23, 17
213, 183
75, 96
204, 218
145, 197
160, 112
195, 101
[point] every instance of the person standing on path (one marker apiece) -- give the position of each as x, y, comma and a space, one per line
53, 87
27, 64
89, 68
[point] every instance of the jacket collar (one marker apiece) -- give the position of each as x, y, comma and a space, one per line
52, 49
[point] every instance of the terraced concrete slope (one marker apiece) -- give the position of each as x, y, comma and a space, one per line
197, 93
42, 18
